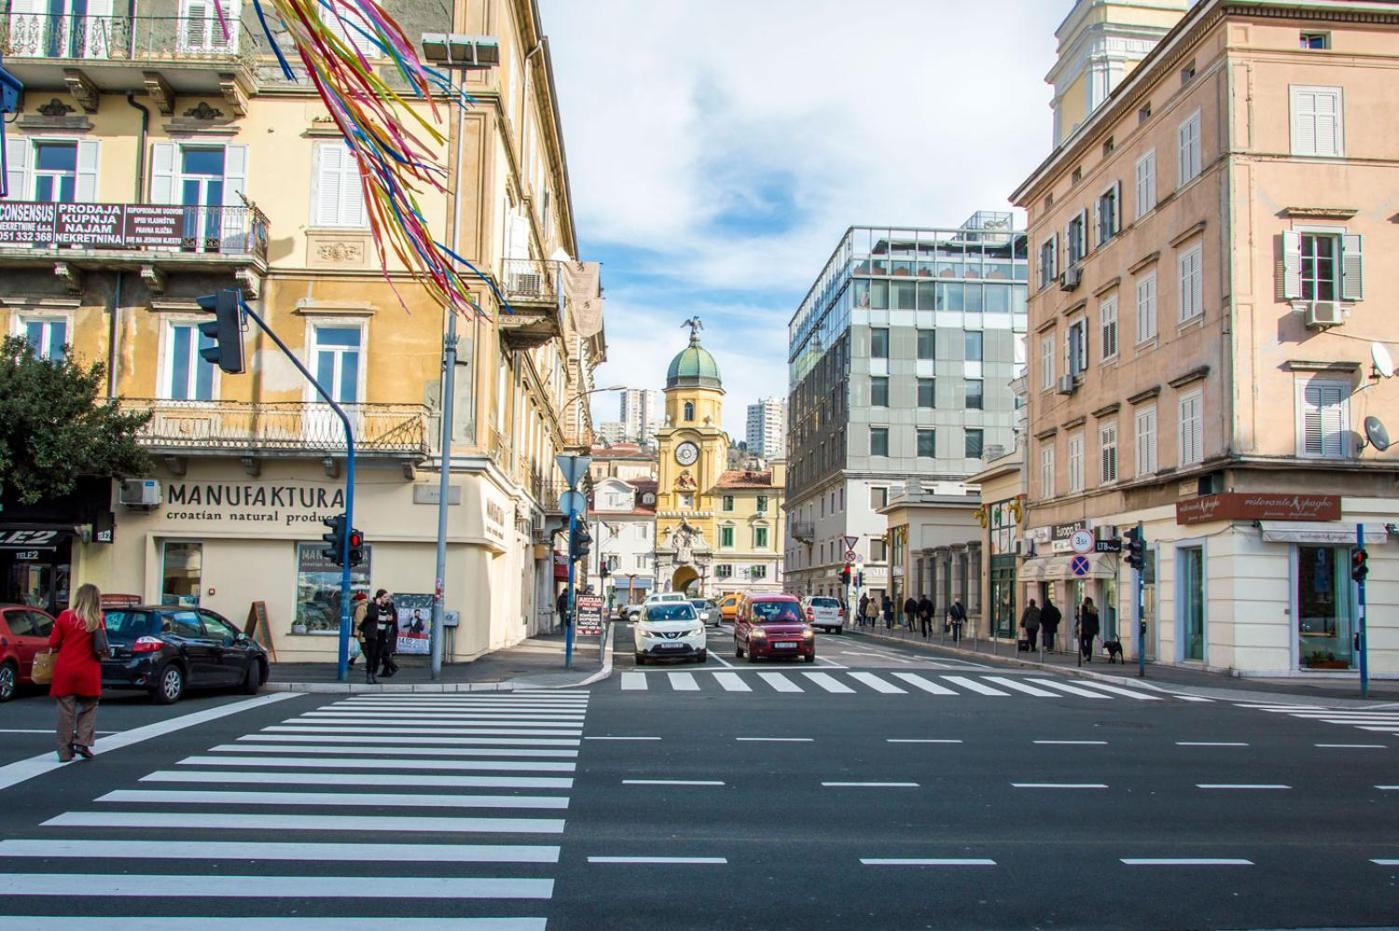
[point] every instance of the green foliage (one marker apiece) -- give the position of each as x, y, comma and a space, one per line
54, 428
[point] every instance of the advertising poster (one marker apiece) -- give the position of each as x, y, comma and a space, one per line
414, 622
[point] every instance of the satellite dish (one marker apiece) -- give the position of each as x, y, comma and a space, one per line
1383, 363
1376, 433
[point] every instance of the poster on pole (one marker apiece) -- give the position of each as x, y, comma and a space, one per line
589, 615
414, 623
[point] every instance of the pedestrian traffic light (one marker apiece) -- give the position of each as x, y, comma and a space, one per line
582, 542
1359, 564
859, 580
334, 539
225, 331
1134, 544
356, 552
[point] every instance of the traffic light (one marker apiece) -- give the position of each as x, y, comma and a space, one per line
225, 331
605, 569
582, 542
845, 575
356, 553
1359, 564
1134, 545
334, 539
859, 580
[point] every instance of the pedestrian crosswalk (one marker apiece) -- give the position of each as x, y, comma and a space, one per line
884, 682
1373, 721
334, 818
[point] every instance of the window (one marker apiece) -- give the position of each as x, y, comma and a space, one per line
689, 412
1146, 441
1316, 121
190, 377
1146, 307
927, 445
335, 353
726, 537
202, 29
1107, 317
723, 571
728, 504
182, 566
975, 389
1146, 184
879, 391
1077, 347
337, 198
1144, 114
46, 337
927, 393
879, 498
926, 344
1076, 463
1047, 270
1107, 444
55, 172
1192, 429
879, 549
879, 343
1187, 74
1047, 362
1108, 216
1047, 469
974, 345
1192, 284
757, 572
1325, 419
762, 504
879, 441
1318, 268
687, 501
1314, 264
52, 170
1075, 241
1188, 150
641, 560
975, 444
1315, 40
760, 538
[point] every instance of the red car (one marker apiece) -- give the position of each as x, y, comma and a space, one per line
23, 632
769, 626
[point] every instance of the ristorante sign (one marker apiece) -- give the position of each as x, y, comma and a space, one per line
1258, 506
94, 226
286, 505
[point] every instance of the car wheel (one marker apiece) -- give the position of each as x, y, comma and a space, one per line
738, 650
702, 656
254, 679
170, 685
640, 659
811, 658
752, 658
9, 681
840, 630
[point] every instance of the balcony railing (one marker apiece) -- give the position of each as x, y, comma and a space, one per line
124, 38
283, 427
233, 231
529, 281
803, 530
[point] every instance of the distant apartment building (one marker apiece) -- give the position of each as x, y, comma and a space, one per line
641, 414
767, 428
900, 361
611, 432
1204, 324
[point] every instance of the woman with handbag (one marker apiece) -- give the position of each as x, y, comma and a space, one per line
80, 639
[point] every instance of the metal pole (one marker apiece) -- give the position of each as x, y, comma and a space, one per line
343, 669
1139, 607
568, 614
1360, 634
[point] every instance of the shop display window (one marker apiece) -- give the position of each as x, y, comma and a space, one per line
182, 566
318, 589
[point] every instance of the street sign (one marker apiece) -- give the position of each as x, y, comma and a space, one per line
589, 622
1082, 541
1080, 566
573, 468
573, 502
849, 555
850, 545
1109, 546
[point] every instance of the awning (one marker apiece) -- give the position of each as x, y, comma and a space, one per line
1053, 568
1336, 531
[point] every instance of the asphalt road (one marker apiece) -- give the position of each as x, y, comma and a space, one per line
880, 788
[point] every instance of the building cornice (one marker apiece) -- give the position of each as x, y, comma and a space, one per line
1146, 395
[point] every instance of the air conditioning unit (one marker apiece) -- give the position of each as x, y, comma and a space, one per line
1068, 384
1324, 314
140, 492
1072, 278
527, 283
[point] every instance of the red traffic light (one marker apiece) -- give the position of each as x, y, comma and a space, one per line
1359, 564
356, 538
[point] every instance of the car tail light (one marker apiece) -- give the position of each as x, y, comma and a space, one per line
810, 613
147, 645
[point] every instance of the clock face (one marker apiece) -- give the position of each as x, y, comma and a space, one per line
686, 453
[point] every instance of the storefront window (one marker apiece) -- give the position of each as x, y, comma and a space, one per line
1324, 617
1192, 601
318, 589
182, 564
1003, 614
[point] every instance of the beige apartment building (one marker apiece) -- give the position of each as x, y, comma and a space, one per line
1202, 316
156, 159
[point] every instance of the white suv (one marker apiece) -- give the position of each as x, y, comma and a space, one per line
670, 629
637, 612
824, 611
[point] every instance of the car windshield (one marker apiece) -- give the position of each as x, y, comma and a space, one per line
824, 603
700, 603
671, 612
775, 611
128, 625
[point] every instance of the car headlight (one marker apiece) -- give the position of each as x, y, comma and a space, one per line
808, 633
757, 632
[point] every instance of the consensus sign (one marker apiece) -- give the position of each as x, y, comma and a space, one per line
1258, 506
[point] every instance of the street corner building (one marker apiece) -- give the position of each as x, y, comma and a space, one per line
1210, 332
158, 157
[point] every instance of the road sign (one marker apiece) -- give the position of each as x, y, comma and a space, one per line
573, 502
850, 555
1080, 565
850, 545
589, 622
1082, 541
1109, 546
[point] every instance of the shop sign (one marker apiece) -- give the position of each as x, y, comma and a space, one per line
286, 505
1258, 506
1066, 531
493, 518
28, 539
97, 226
93, 225
589, 623
148, 226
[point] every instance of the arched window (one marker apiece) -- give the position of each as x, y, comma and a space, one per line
689, 410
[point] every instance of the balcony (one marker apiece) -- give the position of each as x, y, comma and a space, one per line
531, 288
803, 530
280, 428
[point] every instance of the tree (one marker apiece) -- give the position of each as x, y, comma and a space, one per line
54, 428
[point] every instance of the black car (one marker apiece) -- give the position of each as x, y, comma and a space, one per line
165, 650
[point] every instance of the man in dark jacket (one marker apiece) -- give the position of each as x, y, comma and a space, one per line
957, 616
1088, 626
1030, 623
925, 615
385, 621
369, 636
910, 611
864, 603
888, 606
1049, 621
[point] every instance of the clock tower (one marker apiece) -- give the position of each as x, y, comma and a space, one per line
693, 452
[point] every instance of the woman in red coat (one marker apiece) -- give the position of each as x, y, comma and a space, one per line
77, 674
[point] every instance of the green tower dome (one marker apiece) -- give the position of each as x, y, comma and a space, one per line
694, 367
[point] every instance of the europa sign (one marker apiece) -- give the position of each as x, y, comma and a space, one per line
1256, 506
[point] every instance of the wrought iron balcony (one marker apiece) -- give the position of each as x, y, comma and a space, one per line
531, 287
146, 39
51, 230
293, 428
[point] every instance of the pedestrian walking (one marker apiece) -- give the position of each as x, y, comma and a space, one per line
864, 605
360, 606
888, 606
957, 616
388, 634
910, 612
1030, 623
1088, 627
1049, 622
78, 635
925, 615
871, 612
369, 637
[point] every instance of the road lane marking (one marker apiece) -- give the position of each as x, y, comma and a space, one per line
296, 762
1388, 788
472, 731
396, 750
671, 782
562, 719
1118, 690
973, 685
633, 682
1185, 861
829, 682
871, 785
332, 799
1210, 743
669, 861
1352, 746
779, 681
876, 683
381, 741
776, 740
732, 682
1071, 689
1059, 785
621, 738
373, 780
1074, 743
927, 861
917, 681
1022, 687
272, 887
282, 822
263, 850
683, 681
919, 740
1386, 862
206, 923
1241, 786
714, 655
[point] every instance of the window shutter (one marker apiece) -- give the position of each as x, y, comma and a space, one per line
1304, 120
86, 188
162, 173
1182, 153
1290, 268
192, 36
325, 188
17, 179
1333, 424
1313, 436
352, 192
1327, 106
235, 174
1352, 269
1116, 217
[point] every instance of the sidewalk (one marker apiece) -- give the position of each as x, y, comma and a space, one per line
537, 663
1206, 684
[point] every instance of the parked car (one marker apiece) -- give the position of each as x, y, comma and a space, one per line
636, 612
670, 630
707, 610
165, 650
728, 606
24, 631
824, 612
769, 626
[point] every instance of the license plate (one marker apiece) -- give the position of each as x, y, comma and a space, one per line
784, 646
672, 646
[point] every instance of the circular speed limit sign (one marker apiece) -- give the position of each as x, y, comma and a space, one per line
1082, 542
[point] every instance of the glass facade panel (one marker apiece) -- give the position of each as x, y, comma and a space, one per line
318, 589
1192, 601
1324, 607
182, 567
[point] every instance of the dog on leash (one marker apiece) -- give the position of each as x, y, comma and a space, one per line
1114, 648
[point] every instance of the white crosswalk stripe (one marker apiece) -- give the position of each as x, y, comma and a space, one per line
974, 685
330, 786
917, 681
1378, 721
829, 682
876, 683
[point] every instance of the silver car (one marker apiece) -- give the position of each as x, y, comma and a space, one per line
707, 610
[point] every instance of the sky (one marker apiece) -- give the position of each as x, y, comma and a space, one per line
718, 150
